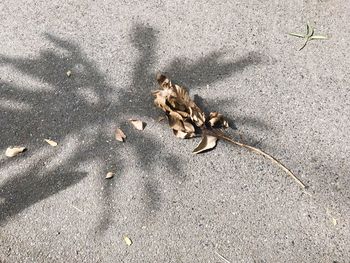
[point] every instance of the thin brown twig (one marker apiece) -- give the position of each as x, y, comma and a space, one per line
219, 134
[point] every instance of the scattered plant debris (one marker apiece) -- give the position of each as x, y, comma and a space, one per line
109, 175
187, 120
334, 221
161, 118
13, 151
139, 125
127, 241
120, 135
51, 142
208, 142
309, 35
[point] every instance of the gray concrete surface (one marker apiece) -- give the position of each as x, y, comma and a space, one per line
235, 57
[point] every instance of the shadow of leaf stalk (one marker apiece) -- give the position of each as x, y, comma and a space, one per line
187, 120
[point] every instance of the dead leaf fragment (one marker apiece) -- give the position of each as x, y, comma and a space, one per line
175, 121
69, 73
13, 151
174, 98
160, 100
183, 114
217, 120
189, 127
208, 142
334, 221
139, 125
161, 118
183, 135
120, 135
109, 175
51, 142
127, 240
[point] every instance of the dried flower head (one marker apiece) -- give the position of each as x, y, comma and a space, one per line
184, 115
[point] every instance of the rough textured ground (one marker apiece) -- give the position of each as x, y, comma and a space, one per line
235, 57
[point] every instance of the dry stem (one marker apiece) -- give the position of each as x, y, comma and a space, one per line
220, 135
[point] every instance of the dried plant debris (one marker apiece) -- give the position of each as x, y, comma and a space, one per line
208, 142
139, 125
183, 114
187, 120
310, 35
51, 142
334, 221
120, 135
161, 118
216, 120
127, 241
13, 151
109, 175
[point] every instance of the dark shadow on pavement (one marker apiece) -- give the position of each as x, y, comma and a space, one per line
209, 69
21, 192
65, 110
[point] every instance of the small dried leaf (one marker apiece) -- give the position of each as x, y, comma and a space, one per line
183, 135
214, 121
217, 120
69, 73
161, 118
51, 142
109, 175
139, 125
160, 100
334, 221
189, 127
208, 142
183, 113
180, 134
213, 114
197, 116
175, 121
13, 151
182, 93
120, 135
127, 240
161, 78
174, 98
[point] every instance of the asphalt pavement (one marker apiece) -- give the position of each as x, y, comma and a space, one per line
229, 204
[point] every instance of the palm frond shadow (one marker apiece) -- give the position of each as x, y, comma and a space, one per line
63, 110
20, 193
210, 68
208, 105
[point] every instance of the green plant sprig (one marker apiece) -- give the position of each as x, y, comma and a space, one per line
309, 35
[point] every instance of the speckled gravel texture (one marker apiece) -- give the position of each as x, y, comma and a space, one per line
235, 57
